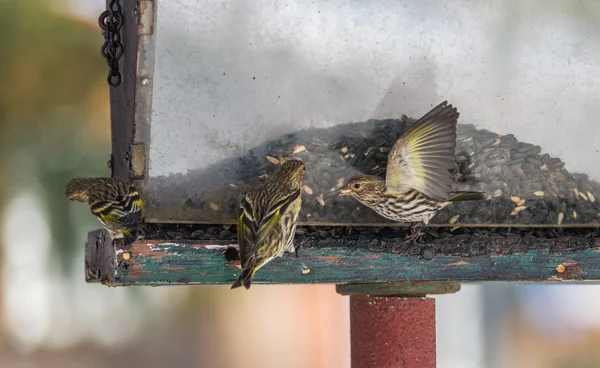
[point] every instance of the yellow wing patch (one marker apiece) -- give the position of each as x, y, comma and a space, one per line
422, 157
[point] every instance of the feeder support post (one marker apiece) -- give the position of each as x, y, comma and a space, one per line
393, 324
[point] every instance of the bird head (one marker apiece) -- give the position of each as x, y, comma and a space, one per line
363, 187
78, 189
291, 172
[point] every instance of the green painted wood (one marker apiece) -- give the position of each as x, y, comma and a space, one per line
161, 263
339, 261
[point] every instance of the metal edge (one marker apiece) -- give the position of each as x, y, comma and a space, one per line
122, 97
400, 289
144, 84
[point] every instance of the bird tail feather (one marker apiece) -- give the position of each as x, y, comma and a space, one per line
467, 196
245, 279
130, 235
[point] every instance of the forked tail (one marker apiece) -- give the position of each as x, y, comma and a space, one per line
245, 279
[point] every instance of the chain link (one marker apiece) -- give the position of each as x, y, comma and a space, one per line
111, 22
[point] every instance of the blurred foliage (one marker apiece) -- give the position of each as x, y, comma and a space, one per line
54, 113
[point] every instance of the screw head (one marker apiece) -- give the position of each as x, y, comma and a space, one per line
145, 81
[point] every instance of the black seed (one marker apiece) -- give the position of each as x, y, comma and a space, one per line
428, 253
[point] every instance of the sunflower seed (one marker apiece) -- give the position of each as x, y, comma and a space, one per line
308, 190
561, 216
519, 173
320, 200
273, 160
453, 219
298, 149
591, 197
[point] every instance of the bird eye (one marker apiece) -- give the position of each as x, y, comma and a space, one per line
356, 186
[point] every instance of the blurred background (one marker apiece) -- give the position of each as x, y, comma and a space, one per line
54, 125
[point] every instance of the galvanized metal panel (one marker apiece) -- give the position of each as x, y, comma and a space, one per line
225, 78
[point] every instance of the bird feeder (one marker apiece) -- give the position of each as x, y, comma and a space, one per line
211, 99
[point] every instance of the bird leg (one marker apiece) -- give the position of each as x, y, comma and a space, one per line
416, 232
297, 248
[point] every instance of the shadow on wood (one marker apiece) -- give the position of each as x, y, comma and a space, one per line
100, 258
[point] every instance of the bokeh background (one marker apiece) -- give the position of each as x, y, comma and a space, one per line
54, 125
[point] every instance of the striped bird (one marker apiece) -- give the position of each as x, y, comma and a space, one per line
115, 202
418, 178
267, 220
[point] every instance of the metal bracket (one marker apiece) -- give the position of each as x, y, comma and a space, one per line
138, 161
146, 17
399, 289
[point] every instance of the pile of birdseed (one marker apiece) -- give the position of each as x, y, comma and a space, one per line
524, 185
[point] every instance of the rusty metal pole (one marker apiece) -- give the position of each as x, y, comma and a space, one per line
393, 325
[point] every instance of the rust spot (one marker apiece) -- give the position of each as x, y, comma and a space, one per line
332, 259
144, 249
135, 272
571, 270
234, 264
382, 324
560, 268
459, 263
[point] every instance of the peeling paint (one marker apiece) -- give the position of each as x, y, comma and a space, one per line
163, 264
459, 263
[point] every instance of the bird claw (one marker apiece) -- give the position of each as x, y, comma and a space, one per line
297, 248
416, 233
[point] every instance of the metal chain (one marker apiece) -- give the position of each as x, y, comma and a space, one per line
111, 22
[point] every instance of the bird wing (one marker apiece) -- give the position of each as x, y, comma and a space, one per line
422, 157
117, 207
255, 227
245, 229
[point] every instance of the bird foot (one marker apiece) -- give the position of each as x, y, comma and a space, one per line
416, 233
297, 248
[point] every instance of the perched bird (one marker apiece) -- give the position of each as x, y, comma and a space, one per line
418, 177
115, 202
267, 220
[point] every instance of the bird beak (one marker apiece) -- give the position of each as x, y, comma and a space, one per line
344, 192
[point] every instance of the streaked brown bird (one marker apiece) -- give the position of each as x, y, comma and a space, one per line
418, 179
115, 202
267, 220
